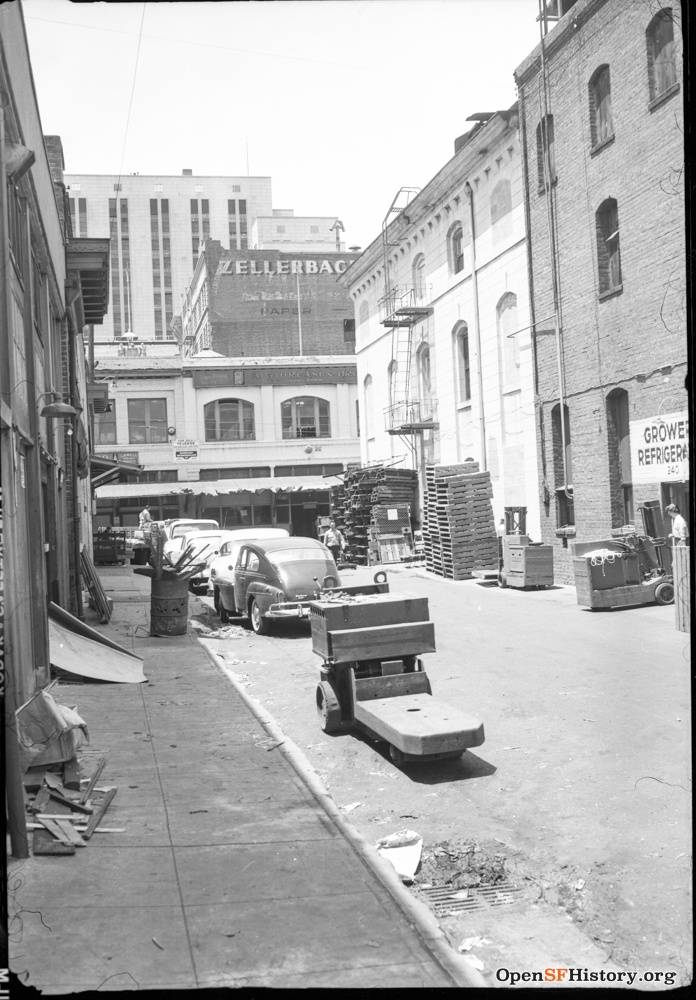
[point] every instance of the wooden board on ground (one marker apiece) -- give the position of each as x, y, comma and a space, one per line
419, 724
78, 655
102, 604
100, 808
45, 843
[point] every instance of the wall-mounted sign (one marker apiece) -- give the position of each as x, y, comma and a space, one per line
660, 448
126, 457
185, 449
273, 267
325, 374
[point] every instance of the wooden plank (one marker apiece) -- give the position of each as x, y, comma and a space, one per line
53, 828
40, 801
99, 811
71, 774
381, 642
391, 685
77, 806
44, 843
101, 602
89, 787
420, 724
69, 833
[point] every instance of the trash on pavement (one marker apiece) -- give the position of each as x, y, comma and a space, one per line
580, 884
351, 806
403, 850
48, 732
268, 744
473, 942
475, 962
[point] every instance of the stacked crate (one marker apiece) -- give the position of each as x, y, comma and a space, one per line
458, 523
364, 491
391, 538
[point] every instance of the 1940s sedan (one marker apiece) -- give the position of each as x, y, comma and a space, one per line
275, 579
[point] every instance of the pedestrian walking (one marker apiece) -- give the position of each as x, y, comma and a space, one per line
680, 530
334, 541
145, 518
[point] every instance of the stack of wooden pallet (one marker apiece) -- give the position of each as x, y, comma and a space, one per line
458, 523
364, 490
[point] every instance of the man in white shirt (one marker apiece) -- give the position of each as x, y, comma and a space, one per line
680, 530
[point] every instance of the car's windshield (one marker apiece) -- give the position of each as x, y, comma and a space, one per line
283, 556
205, 541
188, 526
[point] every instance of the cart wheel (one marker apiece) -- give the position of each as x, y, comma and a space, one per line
328, 708
664, 593
396, 756
224, 613
259, 624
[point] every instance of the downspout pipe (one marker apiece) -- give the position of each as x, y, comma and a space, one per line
477, 329
77, 520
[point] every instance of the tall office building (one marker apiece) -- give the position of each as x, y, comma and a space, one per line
157, 226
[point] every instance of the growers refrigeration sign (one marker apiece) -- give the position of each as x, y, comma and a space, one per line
660, 448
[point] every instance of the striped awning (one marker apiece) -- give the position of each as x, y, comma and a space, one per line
217, 488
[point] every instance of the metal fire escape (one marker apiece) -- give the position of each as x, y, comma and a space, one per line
401, 309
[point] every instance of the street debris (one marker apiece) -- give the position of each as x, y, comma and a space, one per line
473, 942
351, 806
403, 850
268, 744
475, 962
460, 866
156, 942
49, 733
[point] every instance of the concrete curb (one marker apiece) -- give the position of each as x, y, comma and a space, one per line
463, 974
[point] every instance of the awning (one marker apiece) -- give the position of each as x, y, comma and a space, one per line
104, 470
217, 488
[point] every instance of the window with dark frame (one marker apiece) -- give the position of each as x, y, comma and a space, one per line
563, 472
229, 420
305, 417
463, 365
546, 153
619, 455
457, 249
601, 121
662, 62
147, 421
608, 249
105, 426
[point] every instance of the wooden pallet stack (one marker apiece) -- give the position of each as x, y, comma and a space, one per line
364, 490
458, 523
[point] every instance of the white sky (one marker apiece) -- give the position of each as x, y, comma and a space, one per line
340, 103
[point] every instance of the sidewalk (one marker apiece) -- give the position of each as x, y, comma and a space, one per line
231, 871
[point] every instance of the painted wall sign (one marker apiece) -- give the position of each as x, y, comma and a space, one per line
273, 267
185, 449
660, 448
318, 374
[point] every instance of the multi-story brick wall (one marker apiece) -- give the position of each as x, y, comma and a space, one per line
631, 335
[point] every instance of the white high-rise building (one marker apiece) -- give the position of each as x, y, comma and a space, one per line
157, 226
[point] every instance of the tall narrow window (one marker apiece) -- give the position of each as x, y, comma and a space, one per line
115, 266
368, 405
562, 467
546, 154
662, 61
455, 248
425, 388
418, 277
608, 251
105, 426
463, 364
601, 122
243, 236
618, 446
229, 420
506, 315
305, 416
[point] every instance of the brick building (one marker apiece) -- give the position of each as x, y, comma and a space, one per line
601, 121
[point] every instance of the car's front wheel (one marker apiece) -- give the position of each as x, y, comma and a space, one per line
259, 624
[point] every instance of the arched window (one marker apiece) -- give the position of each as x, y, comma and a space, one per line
619, 453
608, 250
601, 121
229, 420
501, 200
418, 276
662, 62
455, 248
562, 471
462, 363
506, 316
368, 406
424, 373
546, 153
305, 417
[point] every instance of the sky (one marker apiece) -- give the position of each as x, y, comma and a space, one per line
340, 102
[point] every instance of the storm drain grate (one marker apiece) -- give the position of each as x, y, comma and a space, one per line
444, 899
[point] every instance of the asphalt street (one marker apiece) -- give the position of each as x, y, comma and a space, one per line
583, 784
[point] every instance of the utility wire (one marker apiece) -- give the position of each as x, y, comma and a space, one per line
130, 102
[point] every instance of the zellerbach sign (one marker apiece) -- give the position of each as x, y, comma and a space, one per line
273, 267
660, 448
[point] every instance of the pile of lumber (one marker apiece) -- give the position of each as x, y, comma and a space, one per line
63, 809
364, 489
458, 523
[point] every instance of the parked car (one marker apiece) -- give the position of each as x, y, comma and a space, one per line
221, 569
202, 546
275, 580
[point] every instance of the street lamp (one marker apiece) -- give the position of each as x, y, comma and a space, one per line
57, 409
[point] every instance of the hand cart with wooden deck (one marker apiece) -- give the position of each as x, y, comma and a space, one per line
372, 678
522, 563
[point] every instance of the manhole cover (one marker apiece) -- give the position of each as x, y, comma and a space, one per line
444, 899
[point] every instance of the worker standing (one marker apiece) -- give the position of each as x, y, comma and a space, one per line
680, 530
334, 541
145, 518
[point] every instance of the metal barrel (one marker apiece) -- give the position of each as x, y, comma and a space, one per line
168, 607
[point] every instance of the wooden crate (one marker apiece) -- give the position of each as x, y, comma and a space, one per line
376, 643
